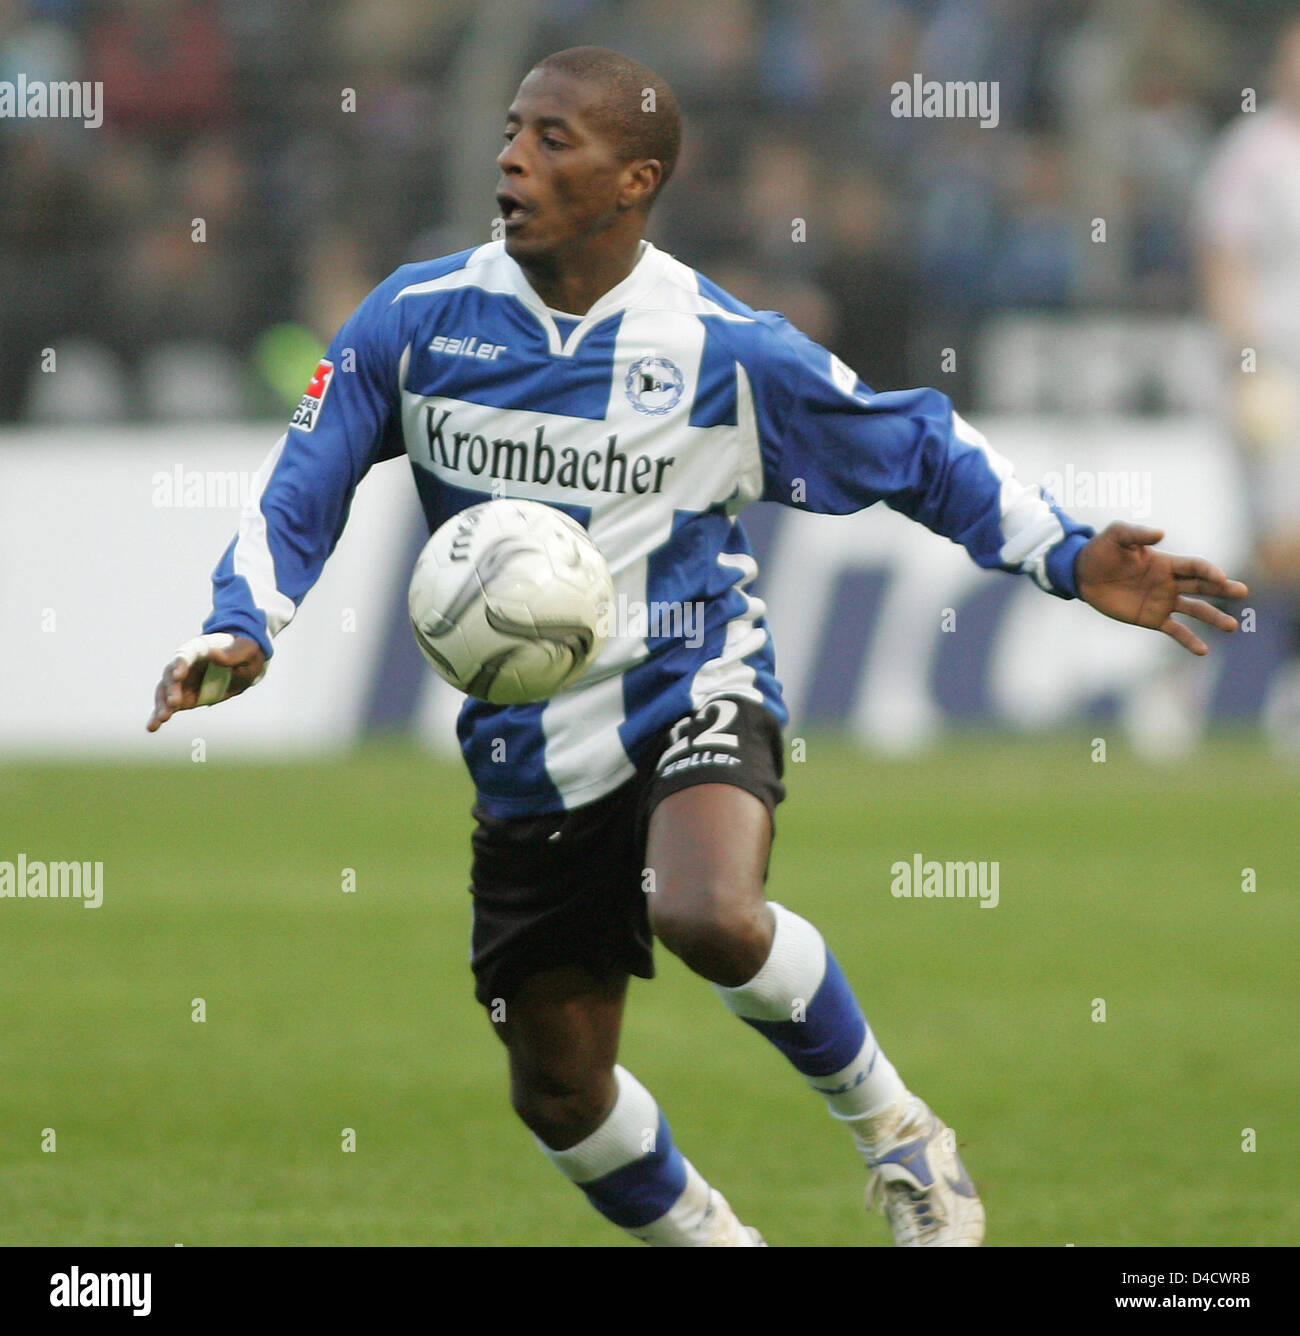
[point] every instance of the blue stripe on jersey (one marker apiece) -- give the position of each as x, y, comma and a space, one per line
715, 398
505, 750
234, 609
441, 500
422, 271
1060, 560
831, 1033
733, 305
657, 691
640, 1193
504, 745
525, 375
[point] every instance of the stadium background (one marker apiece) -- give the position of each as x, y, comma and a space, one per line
944, 709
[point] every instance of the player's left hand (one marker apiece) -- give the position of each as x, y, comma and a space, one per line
1120, 574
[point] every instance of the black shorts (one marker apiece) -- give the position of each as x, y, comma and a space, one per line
567, 888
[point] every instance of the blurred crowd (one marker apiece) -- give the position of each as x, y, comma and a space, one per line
916, 232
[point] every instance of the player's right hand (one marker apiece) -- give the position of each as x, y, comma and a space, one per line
237, 659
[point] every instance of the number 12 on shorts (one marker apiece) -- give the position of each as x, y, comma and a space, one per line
703, 735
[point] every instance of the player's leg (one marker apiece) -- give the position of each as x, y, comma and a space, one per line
559, 923
596, 1122
561, 1032
707, 848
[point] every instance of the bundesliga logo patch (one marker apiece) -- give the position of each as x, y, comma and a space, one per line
309, 406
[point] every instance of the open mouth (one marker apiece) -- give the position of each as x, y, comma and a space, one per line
513, 211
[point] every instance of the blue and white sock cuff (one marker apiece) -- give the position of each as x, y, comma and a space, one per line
626, 1135
794, 969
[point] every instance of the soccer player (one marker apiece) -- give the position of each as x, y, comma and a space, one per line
573, 363
1248, 217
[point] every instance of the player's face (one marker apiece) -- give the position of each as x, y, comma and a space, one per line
562, 182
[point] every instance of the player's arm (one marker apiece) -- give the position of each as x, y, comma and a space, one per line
831, 445
346, 421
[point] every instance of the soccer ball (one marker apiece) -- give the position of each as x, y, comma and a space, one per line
509, 601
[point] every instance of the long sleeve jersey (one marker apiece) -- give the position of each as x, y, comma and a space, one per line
652, 420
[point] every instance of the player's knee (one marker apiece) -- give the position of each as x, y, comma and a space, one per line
562, 1113
723, 936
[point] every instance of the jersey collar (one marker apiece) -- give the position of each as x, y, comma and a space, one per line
643, 275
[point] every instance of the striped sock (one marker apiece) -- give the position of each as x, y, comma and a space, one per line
801, 1001
636, 1177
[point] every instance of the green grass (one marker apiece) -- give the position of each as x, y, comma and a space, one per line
329, 1010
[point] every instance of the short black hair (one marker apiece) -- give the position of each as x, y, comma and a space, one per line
637, 108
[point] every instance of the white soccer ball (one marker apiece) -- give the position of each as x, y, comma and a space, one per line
509, 601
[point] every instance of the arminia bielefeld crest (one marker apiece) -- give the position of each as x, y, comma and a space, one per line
654, 385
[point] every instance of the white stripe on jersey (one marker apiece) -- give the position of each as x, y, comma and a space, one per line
584, 755
252, 556
1031, 528
749, 466
728, 673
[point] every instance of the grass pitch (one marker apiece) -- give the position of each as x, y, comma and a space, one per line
329, 1009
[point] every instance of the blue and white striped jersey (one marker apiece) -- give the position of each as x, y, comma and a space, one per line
653, 420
